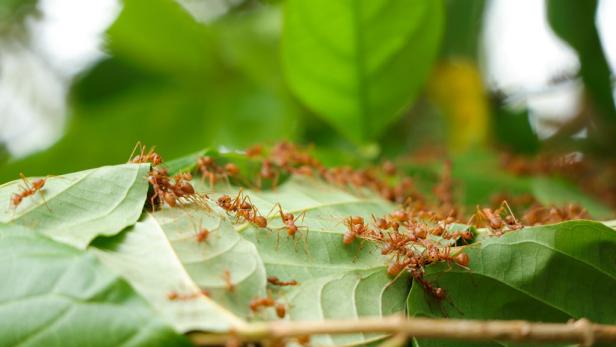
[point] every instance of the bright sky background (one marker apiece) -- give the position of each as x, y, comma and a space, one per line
521, 56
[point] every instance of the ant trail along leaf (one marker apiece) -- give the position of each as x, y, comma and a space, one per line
55, 295
77, 207
549, 273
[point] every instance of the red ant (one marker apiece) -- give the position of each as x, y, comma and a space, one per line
259, 303
202, 235
495, 221
243, 208
462, 259
355, 227
167, 192
211, 171
381, 223
253, 151
438, 293
288, 220
226, 276
173, 295
143, 157
28, 190
268, 172
273, 280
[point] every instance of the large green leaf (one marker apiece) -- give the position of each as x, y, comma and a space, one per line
56, 295
77, 207
549, 273
160, 255
359, 63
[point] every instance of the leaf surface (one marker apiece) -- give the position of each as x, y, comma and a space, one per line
317, 249
77, 207
348, 295
55, 295
161, 255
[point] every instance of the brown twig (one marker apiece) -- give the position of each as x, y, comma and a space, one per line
582, 331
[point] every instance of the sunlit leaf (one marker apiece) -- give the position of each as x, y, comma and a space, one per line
75, 208
55, 295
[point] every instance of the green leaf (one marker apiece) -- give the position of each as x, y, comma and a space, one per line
75, 208
55, 295
359, 64
549, 273
348, 295
463, 28
160, 255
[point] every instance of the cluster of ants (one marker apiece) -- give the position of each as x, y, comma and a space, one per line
166, 189
245, 211
414, 237
288, 158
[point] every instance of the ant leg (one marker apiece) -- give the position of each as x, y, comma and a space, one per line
506, 204
393, 281
212, 178
137, 145
306, 248
273, 208
303, 214
26, 181
153, 198
44, 201
258, 182
275, 181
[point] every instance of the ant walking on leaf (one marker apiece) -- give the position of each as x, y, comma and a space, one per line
29, 189
289, 224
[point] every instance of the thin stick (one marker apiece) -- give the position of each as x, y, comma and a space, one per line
582, 331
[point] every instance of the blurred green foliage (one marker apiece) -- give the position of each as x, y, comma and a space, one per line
349, 76
574, 21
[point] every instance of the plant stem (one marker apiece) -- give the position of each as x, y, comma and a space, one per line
581, 331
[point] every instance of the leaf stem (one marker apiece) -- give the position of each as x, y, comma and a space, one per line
582, 331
